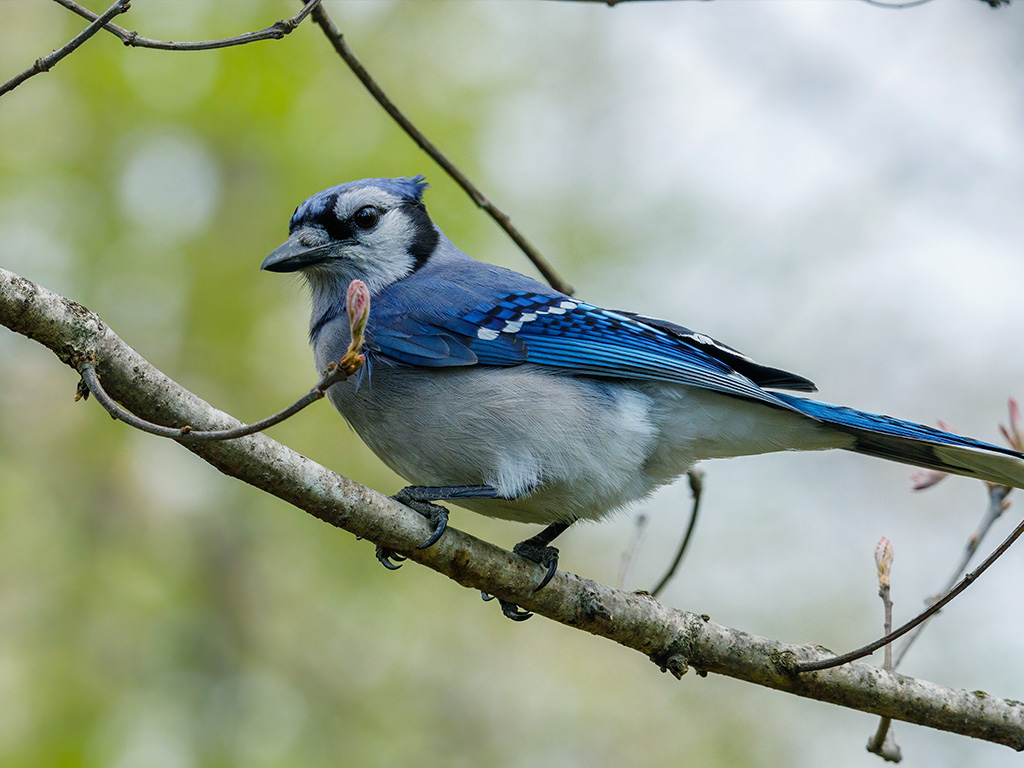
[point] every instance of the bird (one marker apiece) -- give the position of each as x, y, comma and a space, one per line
491, 390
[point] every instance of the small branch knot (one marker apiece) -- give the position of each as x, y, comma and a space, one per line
592, 608
677, 664
673, 659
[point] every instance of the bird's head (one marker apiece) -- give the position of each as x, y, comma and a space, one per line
376, 230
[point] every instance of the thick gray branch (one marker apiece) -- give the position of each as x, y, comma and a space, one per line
673, 639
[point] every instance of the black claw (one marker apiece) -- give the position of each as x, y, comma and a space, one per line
436, 515
552, 568
540, 554
440, 525
538, 550
387, 556
513, 611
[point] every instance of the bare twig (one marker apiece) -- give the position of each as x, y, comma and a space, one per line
883, 743
321, 17
45, 63
696, 478
897, 5
92, 384
996, 505
275, 31
922, 617
283, 27
883, 562
879, 3
634, 545
357, 302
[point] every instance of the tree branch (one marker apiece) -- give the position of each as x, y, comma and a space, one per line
275, 31
897, 4
45, 63
341, 47
933, 608
675, 640
996, 506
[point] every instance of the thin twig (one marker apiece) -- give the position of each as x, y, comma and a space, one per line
696, 478
357, 305
93, 386
45, 63
334, 34
897, 6
281, 28
879, 3
938, 605
630, 553
275, 31
882, 743
996, 504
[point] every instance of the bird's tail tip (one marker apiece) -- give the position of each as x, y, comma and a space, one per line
910, 443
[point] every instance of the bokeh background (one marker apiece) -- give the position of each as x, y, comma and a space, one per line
834, 188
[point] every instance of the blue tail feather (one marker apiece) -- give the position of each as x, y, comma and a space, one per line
904, 441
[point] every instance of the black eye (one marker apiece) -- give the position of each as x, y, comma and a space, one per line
366, 217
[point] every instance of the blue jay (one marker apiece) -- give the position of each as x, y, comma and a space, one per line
491, 390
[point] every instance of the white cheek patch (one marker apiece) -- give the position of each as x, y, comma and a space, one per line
311, 237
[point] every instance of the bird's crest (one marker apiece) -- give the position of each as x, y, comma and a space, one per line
411, 188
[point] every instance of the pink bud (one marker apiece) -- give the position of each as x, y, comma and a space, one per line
1013, 432
926, 478
883, 561
357, 301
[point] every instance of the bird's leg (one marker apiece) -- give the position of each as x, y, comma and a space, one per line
536, 548
420, 498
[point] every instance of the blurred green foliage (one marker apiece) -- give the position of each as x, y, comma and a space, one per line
154, 613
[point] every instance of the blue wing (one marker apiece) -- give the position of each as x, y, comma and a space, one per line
580, 338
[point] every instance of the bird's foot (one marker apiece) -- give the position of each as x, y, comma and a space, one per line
436, 515
389, 558
511, 610
539, 551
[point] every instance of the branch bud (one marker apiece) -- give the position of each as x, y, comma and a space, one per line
883, 561
357, 301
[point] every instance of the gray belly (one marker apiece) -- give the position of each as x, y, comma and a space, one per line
563, 448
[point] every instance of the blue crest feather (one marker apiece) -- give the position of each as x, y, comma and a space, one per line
409, 187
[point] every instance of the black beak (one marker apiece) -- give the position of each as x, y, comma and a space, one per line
291, 256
